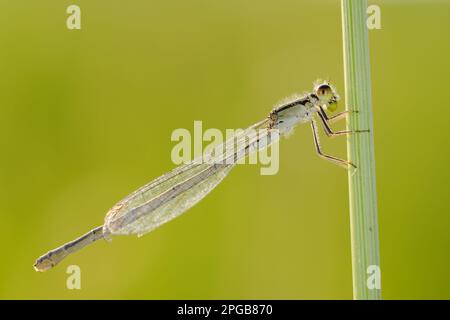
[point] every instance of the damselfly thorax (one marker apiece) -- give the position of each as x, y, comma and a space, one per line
292, 111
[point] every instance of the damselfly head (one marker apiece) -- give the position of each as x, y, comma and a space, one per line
327, 94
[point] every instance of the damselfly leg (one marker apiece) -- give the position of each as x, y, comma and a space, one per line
337, 117
328, 131
338, 161
326, 120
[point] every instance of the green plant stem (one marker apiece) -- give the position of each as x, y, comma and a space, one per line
360, 149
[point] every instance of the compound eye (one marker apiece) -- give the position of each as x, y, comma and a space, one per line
323, 90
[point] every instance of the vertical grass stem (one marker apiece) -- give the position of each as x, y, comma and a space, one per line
360, 149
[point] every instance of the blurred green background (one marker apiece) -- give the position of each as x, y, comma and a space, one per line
86, 117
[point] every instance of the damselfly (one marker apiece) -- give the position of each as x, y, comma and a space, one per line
172, 194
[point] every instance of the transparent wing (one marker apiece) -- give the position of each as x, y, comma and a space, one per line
161, 184
174, 207
170, 195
